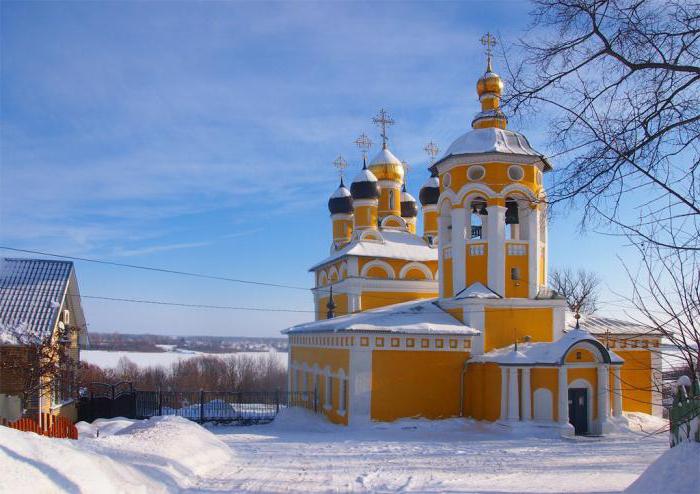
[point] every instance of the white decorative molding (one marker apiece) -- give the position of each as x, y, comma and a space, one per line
418, 266
476, 190
333, 271
377, 263
516, 248
477, 249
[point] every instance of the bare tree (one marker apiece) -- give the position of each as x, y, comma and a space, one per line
581, 289
38, 361
666, 297
619, 81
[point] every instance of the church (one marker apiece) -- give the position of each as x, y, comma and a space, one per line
457, 320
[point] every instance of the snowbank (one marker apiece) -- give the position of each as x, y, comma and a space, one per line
676, 471
164, 454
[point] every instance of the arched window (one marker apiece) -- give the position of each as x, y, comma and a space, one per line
391, 198
512, 219
478, 214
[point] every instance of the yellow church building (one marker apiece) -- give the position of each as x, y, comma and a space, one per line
459, 321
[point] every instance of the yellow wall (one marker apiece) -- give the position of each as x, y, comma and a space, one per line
477, 267
365, 217
517, 289
415, 384
503, 324
482, 393
341, 306
496, 177
447, 277
430, 222
342, 230
586, 356
386, 209
336, 359
636, 380
541, 273
396, 264
373, 300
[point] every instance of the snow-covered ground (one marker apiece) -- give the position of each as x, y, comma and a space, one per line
109, 359
301, 453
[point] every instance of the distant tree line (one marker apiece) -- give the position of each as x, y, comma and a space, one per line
263, 372
160, 343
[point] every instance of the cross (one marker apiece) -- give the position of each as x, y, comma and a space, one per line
489, 41
340, 165
364, 143
383, 120
406, 168
432, 150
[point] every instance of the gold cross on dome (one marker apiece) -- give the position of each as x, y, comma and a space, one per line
364, 143
340, 164
432, 150
383, 120
489, 41
406, 168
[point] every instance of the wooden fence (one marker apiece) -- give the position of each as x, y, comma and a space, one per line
51, 426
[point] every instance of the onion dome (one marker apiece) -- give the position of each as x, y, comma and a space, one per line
430, 192
409, 208
365, 185
489, 87
341, 200
386, 166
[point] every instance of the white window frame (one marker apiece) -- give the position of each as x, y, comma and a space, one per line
328, 391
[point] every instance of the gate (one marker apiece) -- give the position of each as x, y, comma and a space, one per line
107, 401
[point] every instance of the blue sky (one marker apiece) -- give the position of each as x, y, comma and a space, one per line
200, 136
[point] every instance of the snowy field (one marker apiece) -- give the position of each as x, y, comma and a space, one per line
299, 453
109, 360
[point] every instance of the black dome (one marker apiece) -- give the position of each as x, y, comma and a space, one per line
341, 201
409, 209
365, 186
430, 192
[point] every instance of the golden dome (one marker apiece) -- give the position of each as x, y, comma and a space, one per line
490, 82
386, 166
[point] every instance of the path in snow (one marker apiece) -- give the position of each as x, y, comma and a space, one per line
446, 456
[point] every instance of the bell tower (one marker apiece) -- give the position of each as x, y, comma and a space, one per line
490, 210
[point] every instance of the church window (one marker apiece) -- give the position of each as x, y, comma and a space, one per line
391, 199
446, 180
515, 274
329, 392
343, 396
516, 172
476, 172
410, 342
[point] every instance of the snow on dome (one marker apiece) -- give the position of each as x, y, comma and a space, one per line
341, 191
385, 157
492, 140
415, 317
406, 197
430, 191
365, 176
341, 201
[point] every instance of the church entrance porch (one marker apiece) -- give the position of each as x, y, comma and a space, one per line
578, 410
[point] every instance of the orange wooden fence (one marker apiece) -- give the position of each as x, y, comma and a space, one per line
51, 426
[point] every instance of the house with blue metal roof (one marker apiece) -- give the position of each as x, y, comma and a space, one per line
42, 328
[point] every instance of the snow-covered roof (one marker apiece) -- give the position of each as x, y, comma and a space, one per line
601, 325
545, 353
492, 140
32, 292
476, 290
365, 176
385, 157
341, 191
416, 317
395, 245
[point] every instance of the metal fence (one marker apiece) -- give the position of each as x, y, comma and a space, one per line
216, 406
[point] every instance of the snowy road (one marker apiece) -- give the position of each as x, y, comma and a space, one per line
299, 452
447, 456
